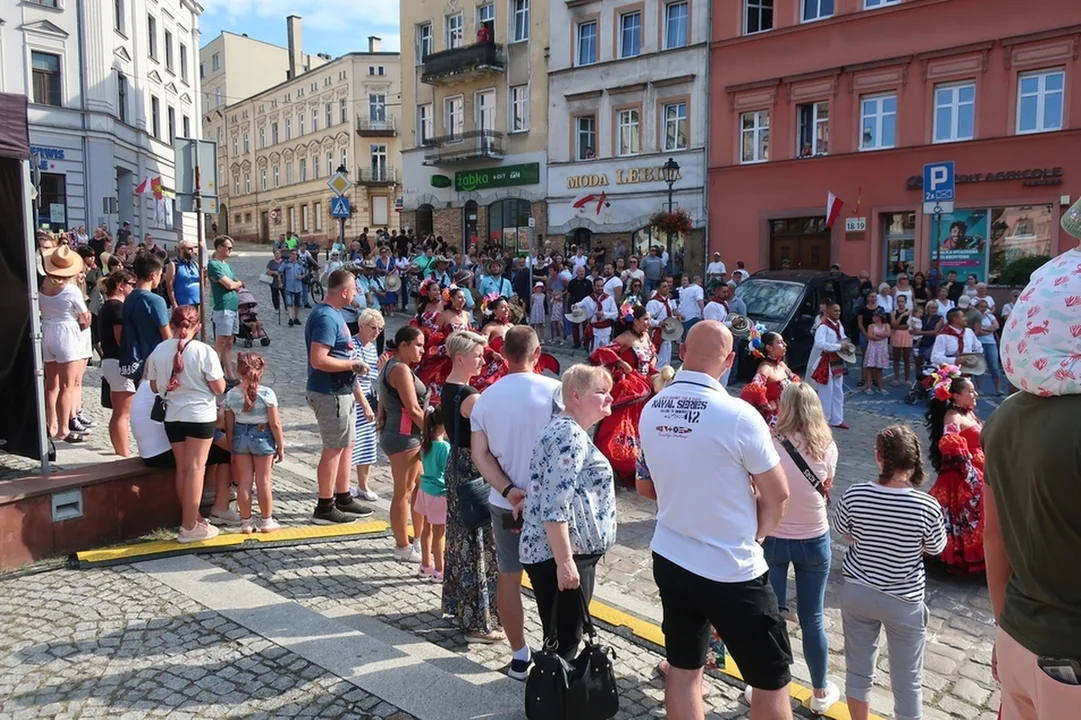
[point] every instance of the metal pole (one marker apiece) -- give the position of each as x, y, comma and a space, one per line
30, 241
670, 183
197, 197
341, 230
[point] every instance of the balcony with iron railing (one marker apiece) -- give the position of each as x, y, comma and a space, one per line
377, 176
383, 127
464, 146
463, 63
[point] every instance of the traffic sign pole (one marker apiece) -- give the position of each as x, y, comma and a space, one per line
197, 196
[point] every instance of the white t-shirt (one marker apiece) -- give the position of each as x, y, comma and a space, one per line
716, 269
512, 413
990, 302
192, 401
149, 435
579, 261
264, 398
630, 275
707, 518
689, 297
612, 284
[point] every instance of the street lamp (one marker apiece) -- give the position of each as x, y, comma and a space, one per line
671, 171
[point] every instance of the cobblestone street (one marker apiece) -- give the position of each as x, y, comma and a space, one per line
121, 642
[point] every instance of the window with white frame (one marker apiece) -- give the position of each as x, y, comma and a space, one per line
300, 123
754, 136
955, 112
675, 126
215, 61
586, 43
879, 126
303, 170
247, 182
329, 114
330, 163
183, 63
274, 133
169, 52
46, 78
247, 144
315, 119
236, 146
454, 116
288, 128
315, 167
155, 118
486, 17
585, 137
676, 17
236, 183
1039, 101
425, 123
185, 125
152, 37
757, 16
262, 178
872, 4
277, 177
377, 108
519, 108
291, 213
317, 210
305, 217
424, 42
289, 173
345, 157
118, 15
630, 34
629, 136
521, 21
455, 30
262, 138
812, 127
817, 10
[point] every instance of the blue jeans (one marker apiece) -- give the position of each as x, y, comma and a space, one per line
811, 559
990, 354
688, 324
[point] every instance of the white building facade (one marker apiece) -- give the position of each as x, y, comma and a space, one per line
628, 90
110, 86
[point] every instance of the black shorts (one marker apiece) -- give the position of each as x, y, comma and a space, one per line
181, 431
217, 456
744, 614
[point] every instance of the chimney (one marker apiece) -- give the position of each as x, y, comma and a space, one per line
373, 43
296, 49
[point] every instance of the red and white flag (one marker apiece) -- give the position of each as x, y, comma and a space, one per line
583, 199
156, 187
141, 187
602, 202
833, 209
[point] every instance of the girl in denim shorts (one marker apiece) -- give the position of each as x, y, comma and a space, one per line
254, 429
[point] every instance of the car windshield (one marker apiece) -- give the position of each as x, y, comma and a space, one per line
769, 300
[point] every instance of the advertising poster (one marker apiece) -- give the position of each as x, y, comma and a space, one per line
959, 243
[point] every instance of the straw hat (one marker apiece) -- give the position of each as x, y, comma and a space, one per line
495, 262
671, 329
1071, 221
393, 283
578, 314
63, 262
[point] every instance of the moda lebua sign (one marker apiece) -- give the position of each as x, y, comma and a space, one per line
629, 176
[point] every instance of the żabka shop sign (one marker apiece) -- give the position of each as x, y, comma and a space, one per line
630, 176
506, 176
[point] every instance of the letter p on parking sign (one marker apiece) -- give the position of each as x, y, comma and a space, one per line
938, 187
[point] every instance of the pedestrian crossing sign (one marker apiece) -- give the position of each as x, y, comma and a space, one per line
339, 207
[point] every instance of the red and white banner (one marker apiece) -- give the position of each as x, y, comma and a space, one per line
583, 199
833, 209
141, 187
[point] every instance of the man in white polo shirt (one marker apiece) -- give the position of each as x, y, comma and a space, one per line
701, 450
506, 422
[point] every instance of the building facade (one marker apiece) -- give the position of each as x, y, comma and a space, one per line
110, 86
854, 97
628, 87
279, 147
475, 120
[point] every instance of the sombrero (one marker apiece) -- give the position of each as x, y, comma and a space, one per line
972, 363
578, 314
740, 326
671, 329
847, 351
490, 263
462, 276
63, 262
393, 283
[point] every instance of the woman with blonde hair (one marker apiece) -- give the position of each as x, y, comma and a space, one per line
804, 441
64, 349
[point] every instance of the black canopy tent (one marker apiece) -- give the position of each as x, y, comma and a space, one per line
22, 389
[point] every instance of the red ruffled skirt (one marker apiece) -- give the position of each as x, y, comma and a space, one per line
617, 434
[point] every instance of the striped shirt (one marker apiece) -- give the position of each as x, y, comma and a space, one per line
891, 530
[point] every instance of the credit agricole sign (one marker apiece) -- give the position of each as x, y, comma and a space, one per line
629, 176
505, 176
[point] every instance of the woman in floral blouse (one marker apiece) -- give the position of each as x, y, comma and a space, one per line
569, 516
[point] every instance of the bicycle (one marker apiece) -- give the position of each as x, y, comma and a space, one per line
315, 288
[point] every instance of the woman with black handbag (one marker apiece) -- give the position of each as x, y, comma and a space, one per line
470, 572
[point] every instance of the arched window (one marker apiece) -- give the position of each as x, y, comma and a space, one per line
469, 225
424, 221
508, 223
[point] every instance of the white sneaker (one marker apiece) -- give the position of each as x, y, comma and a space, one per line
201, 531
407, 554
747, 692
820, 705
365, 495
229, 517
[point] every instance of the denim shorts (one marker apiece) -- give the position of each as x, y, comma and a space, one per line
248, 439
294, 299
226, 323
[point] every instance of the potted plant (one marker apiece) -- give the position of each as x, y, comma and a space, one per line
675, 222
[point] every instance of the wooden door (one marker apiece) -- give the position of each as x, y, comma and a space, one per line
784, 248
814, 252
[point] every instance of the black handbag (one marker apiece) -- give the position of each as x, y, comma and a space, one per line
106, 395
157, 412
472, 494
582, 689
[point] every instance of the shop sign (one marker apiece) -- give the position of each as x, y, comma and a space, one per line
439, 181
506, 176
46, 155
628, 176
1033, 177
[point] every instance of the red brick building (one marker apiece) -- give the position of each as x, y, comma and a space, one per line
853, 97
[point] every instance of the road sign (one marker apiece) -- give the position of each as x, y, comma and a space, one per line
532, 222
938, 187
339, 207
186, 203
185, 166
274, 204
339, 183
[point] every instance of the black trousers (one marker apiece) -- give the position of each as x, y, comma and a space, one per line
546, 588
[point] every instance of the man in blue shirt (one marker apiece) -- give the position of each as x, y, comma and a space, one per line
146, 318
292, 274
494, 282
331, 379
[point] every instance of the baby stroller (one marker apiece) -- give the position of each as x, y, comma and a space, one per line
251, 329
921, 388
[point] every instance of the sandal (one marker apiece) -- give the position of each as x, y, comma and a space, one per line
491, 638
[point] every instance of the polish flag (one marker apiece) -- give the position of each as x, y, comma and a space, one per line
141, 187
583, 199
602, 202
833, 209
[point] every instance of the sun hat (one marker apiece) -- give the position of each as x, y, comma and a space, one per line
63, 262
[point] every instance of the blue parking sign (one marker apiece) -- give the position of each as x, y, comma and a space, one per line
939, 187
339, 207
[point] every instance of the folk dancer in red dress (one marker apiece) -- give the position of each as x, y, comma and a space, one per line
495, 311
957, 456
827, 368
438, 319
660, 309
602, 313
773, 375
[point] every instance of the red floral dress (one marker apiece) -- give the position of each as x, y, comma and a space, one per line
765, 395
617, 434
435, 367
959, 490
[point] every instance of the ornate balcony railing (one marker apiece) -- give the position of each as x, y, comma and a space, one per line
463, 62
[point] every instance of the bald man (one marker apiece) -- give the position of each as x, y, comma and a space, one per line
701, 451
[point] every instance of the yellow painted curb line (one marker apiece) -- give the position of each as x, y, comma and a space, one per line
145, 551
653, 634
